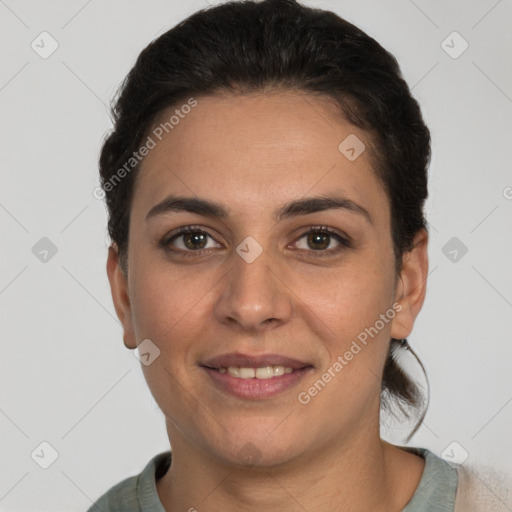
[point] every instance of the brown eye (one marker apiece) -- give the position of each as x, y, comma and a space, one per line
188, 240
319, 239
194, 240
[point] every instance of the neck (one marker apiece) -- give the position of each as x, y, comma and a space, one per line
338, 478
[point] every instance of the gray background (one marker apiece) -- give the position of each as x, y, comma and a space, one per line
65, 376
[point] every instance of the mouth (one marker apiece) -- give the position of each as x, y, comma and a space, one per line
255, 377
254, 361
263, 372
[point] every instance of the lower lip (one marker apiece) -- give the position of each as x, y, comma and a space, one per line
257, 388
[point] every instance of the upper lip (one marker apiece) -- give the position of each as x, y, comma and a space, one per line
253, 361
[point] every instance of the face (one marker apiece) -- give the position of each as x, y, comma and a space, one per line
260, 281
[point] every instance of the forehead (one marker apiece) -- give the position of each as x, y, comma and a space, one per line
256, 150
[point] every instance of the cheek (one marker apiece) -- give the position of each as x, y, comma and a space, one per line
164, 296
351, 298
357, 344
171, 302
167, 308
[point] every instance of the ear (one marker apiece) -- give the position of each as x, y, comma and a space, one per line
119, 288
411, 287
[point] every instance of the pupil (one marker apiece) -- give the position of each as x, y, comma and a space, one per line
314, 238
195, 237
191, 239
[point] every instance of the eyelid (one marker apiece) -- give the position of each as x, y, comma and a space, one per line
176, 233
344, 241
342, 238
325, 229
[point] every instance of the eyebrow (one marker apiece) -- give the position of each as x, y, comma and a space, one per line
295, 208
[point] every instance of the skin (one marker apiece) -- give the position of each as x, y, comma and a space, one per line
254, 153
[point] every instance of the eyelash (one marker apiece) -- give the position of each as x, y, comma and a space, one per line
344, 242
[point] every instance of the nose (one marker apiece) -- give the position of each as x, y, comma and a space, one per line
254, 296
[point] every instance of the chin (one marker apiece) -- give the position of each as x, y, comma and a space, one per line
260, 451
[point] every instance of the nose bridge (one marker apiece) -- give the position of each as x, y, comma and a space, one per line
252, 293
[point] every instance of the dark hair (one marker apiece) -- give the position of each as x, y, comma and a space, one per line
256, 46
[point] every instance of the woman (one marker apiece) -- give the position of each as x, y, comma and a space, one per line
265, 179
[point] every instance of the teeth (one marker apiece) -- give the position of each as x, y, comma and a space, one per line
265, 372
247, 373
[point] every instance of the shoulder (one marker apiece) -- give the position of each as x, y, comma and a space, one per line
483, 489
437, 487
122, 497
136, 493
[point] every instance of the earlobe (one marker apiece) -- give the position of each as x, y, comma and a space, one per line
412, 286
119, 289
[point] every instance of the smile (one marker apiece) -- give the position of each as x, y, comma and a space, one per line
263, 372
256, 383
